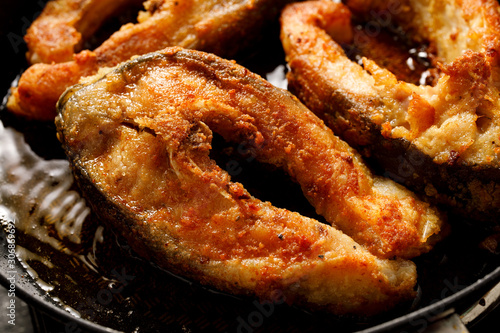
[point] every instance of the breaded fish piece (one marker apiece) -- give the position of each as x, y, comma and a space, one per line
138, 139
441, 140
381, 215
222, 27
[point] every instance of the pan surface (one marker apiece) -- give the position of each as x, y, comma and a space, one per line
72, 267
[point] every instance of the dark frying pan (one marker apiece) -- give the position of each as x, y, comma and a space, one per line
74, 270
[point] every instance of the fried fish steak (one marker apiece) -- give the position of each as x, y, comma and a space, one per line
441, 139
223, 27
384, 217
138, 139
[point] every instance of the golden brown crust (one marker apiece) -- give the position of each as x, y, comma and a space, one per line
218, 26
150, 121
455, 122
